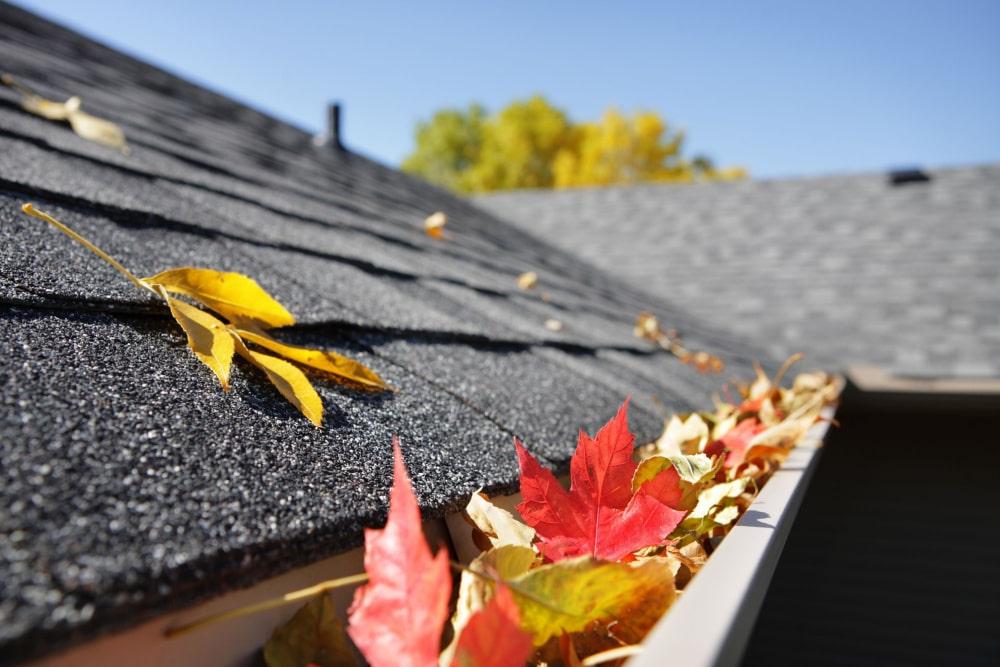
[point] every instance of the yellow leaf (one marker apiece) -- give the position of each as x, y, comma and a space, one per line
327, 362
434, 225
45, 108
98, 130
498, 524
208, 338
289, 380
506, 562
695, 472
715, 497
89, 127
568, 596
683, 436
527, 280
235, 296
238, 298
476, 590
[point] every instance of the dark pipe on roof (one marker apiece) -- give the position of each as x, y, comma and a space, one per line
908, 176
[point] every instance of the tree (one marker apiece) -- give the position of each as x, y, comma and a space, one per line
520, 145
533, 144
448, 147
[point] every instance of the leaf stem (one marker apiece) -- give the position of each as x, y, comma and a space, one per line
11, 82
789, 362
42, 215
287, 598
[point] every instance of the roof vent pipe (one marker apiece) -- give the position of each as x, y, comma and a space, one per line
907, 176
332, 137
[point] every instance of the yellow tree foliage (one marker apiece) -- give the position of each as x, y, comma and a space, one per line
533, 144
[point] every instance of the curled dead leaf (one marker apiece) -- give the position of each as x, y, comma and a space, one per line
89, 127
527, 280
499, 525
434, 225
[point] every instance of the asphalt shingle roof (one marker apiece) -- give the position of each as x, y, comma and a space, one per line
851, 269
129, 482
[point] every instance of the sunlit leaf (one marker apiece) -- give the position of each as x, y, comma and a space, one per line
208, 338
695, 472
313, 636
97, 129
476, 586
235, 296
693, 468
683, 436
498, 524
785, 434
242, 301
84, 124
339, 366
726, 515
570, 595
289, 380
527, 280
45, 108
434, 225
714, 497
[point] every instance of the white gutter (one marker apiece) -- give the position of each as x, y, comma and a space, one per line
710, 624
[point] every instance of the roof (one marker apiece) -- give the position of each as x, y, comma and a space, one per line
129, 482
850, 269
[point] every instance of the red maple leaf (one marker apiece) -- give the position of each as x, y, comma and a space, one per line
600, 515
737, 440
397, 617
493, 636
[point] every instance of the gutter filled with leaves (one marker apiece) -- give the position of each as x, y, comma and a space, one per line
584, 575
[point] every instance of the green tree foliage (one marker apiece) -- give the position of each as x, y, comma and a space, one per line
449, 145
533, 144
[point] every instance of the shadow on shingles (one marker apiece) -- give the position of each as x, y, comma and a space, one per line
259, 394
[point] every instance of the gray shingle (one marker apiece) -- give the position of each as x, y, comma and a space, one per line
848, 268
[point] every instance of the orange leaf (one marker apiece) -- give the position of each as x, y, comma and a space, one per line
493, 636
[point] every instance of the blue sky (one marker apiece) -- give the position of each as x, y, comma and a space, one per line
784, 88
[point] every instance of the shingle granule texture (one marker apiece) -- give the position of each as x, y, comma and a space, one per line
851, 269
130, 483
